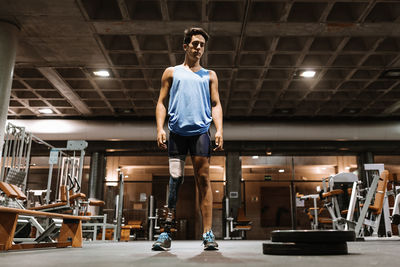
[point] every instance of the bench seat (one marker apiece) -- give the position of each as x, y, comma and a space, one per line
70, 232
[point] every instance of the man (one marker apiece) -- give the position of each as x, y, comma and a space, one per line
193, 104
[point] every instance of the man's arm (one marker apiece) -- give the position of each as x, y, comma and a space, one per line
161, 108
216, 110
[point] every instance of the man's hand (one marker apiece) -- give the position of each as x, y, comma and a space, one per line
219, 142
162, 139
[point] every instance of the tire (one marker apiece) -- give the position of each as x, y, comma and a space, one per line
313, 236
305, 248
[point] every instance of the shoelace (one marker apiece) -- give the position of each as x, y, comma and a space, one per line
209, 237
163, 237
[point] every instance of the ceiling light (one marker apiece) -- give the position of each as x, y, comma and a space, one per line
308, 74
269, 153
255, 157
216, 191
102, 73
281, 170
393, 73
46, 111
111, 183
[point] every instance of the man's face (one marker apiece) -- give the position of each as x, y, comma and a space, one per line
195, 48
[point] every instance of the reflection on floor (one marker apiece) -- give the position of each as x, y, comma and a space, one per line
190, 253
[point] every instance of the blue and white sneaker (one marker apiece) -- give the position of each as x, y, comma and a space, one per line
163, 242
209, 241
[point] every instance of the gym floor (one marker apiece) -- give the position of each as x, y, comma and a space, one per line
190, 253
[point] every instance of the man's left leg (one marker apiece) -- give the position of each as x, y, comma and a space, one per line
201, 167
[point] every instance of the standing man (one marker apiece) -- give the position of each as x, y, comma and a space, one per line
193, 104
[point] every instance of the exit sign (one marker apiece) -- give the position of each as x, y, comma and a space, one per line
267, 177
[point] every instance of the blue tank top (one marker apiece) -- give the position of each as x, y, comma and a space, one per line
189, 106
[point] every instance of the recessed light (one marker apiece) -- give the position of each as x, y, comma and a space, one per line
46, 111
281, 170
102, 73
393, 74
308, 74
255, 157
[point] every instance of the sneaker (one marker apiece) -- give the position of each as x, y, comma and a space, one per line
209, 241
163, 242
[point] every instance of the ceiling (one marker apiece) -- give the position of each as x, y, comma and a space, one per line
257, 48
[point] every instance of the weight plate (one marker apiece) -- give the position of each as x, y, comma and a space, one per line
312, 236
305, 248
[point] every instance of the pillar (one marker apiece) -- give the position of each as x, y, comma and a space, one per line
97, 175
233, 181
8, 46
363, 158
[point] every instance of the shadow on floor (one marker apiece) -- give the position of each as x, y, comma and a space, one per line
164, 254
212, 257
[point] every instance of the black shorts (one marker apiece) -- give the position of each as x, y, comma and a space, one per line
197, 145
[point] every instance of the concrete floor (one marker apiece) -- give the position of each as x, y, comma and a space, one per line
190, 253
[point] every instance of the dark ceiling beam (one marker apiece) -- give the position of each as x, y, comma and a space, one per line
24, 103
252, 29
165, 16
66, 91
260, 80
321, 74
124, 10
236, 60
38, 96
139, 54
360, 63
297, 65
206, 24
98, 90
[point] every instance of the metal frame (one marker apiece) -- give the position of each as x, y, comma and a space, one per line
15, 155
104, 225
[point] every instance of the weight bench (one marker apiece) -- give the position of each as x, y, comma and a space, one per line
67, 201
131, 226
12, 191
241, 224
70, 232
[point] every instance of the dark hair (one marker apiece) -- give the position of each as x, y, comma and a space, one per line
188, 33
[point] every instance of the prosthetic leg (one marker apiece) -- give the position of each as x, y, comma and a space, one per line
167, 218
176, 169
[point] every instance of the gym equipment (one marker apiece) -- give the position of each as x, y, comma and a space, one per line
308, 242
120, 205
335, 195
239, 224
343, 196
160, 220
69, 162
91, 228
15, 156
395, 219
370, 215
70, 232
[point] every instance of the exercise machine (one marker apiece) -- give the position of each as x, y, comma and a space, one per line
240, 223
